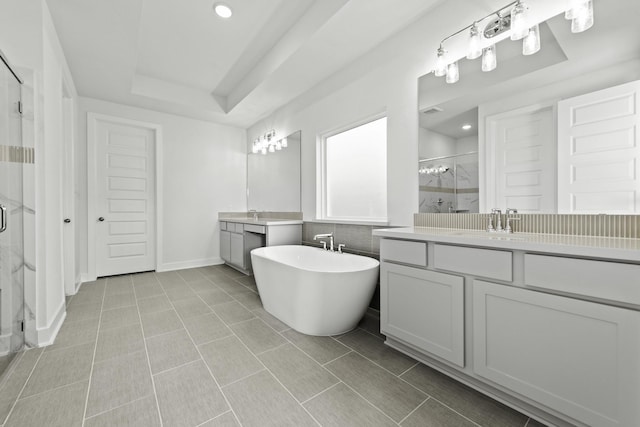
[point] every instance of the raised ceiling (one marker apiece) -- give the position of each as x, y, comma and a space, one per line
179, 57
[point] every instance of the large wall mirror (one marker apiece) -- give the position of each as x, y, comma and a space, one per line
553, 132
273, 181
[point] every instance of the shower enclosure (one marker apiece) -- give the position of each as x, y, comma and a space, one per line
12, 157
449, 184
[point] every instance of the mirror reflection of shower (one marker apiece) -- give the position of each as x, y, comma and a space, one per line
449, 184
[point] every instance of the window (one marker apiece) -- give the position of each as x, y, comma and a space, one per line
353, 173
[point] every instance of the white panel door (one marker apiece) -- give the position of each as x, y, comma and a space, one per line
599, 152
125, 210
577, 357
524, 153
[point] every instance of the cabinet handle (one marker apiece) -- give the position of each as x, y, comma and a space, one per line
3, 218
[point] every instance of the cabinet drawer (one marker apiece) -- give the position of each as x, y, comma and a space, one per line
238, 228
223, 225
260, 229
599, 279
404, 251
479, 262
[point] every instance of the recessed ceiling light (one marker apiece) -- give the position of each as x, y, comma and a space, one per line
466, 126
222, 10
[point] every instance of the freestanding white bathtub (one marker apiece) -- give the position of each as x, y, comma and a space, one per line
312, 290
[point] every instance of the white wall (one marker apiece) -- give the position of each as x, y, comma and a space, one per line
383, 80
203, 173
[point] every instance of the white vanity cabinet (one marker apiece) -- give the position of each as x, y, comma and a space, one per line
225, 245
577, 357
237, 250
555, 335
238, 237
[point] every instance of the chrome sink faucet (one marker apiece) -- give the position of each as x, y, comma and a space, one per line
255, 214
324, 236
498, 227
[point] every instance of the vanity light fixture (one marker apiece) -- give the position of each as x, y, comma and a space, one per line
268, 143
222, 10
436, 170
513, 17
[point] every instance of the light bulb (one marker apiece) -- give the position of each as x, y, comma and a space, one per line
582, 17
453, 73
272, 148
531, 43
264, 151
441, 64
475, 51
489, 58
278, 145
519, 21
255, 148
284, 143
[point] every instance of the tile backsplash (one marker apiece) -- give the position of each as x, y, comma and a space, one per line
357, 238
627, 226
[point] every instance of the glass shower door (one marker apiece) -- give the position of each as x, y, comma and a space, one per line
11, 219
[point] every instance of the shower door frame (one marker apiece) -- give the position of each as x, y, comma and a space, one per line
12, 155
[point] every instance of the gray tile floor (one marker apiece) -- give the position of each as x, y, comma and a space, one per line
195, 348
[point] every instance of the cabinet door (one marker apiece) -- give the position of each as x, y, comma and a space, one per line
425, 309
237, 249
579, 358
225, 245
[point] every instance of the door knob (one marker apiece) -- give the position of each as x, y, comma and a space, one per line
67, 220
101, 219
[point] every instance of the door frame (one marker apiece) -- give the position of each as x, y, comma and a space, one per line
71, 279
92, 184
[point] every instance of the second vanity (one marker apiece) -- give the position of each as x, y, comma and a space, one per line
239, 236
548, 324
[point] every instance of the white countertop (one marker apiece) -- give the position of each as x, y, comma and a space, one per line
264, 221
584, 246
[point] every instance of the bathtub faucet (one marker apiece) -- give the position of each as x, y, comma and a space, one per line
324, 236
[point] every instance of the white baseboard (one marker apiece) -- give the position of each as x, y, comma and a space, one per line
47, 335
168, 266
181, 265
84, 278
